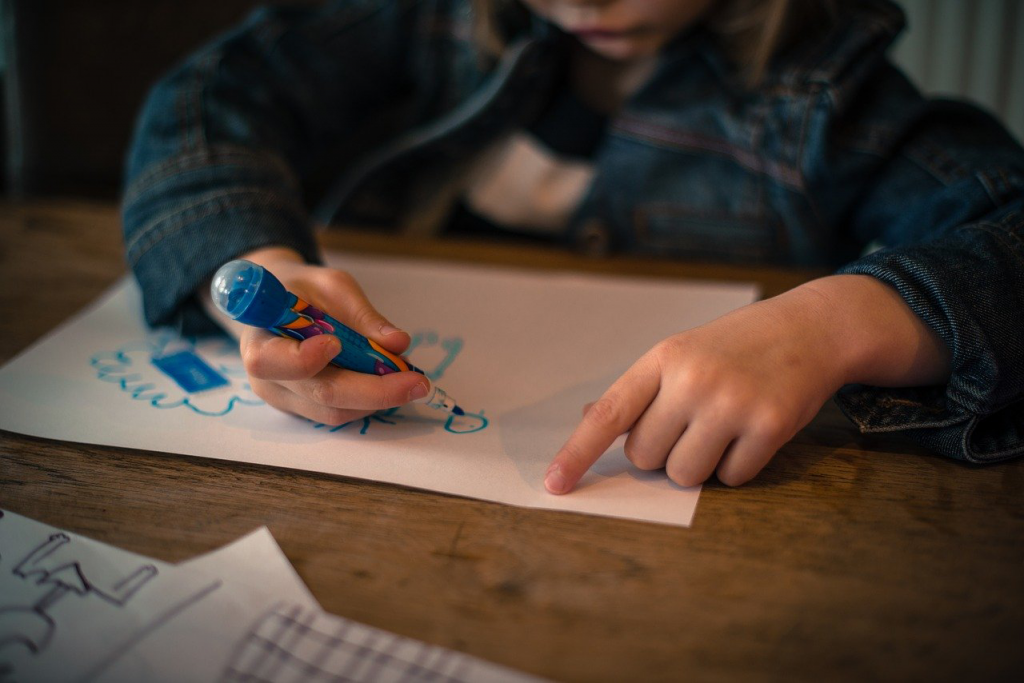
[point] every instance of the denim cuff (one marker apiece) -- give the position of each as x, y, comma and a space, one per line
926, 416
966, 285
176, 238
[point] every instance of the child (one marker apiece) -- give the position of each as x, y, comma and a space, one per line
741, 130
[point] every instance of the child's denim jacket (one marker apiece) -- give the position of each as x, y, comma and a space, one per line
374, 106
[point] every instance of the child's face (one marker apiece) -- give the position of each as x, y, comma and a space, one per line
621, 29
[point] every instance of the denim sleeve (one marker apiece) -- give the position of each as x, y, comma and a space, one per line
939, 187
226, 142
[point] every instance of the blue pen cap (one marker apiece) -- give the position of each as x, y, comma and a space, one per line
249, 293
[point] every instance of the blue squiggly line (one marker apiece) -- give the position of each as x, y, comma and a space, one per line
483, 423
231, 404
452, 347
392, 412
378, 417
109, 371
418, 338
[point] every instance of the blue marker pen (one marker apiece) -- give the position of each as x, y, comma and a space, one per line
250, 294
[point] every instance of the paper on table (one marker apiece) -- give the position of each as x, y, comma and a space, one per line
522, 352
72, 609
227, 640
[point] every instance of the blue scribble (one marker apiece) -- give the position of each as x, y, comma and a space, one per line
454, 424
423, 343
434, 354
132, 369
466, 424
381, 417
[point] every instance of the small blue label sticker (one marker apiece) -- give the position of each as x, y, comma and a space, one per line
191, 372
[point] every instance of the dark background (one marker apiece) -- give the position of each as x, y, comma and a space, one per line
75, 75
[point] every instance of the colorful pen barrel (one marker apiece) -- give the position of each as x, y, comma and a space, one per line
250, 294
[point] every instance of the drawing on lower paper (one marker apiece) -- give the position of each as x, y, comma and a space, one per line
52, 571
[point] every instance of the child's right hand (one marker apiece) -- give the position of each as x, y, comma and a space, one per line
296, 376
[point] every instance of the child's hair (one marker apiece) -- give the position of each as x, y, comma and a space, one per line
751, 31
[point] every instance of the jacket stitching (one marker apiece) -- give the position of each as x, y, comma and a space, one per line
933, 159
973, 453
167, 224
222, 206
999, 234
687, 140
863, 423
999, 185
207, 158
854, 406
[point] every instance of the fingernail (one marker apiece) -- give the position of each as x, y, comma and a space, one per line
554, 480
418, 391
332, 347
387, 328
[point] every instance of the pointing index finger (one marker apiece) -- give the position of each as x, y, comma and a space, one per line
607, 418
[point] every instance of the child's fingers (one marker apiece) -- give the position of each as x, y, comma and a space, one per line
611, 415
747, 456
348, 303
698, 451
268, 356
657, 430
765, 431
336, 388
285, 399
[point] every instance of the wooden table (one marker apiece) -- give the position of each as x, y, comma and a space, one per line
849, 558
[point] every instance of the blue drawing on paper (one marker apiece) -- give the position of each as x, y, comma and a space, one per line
434, 355
440, 352
206, 376
202, 375
190, 371
454, 424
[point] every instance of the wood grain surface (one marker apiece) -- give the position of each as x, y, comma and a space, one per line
849, 558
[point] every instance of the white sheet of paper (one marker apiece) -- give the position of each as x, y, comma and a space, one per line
242, 634
521, 351
73, 609
246, 628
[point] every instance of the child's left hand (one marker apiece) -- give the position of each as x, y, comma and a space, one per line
724, 397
